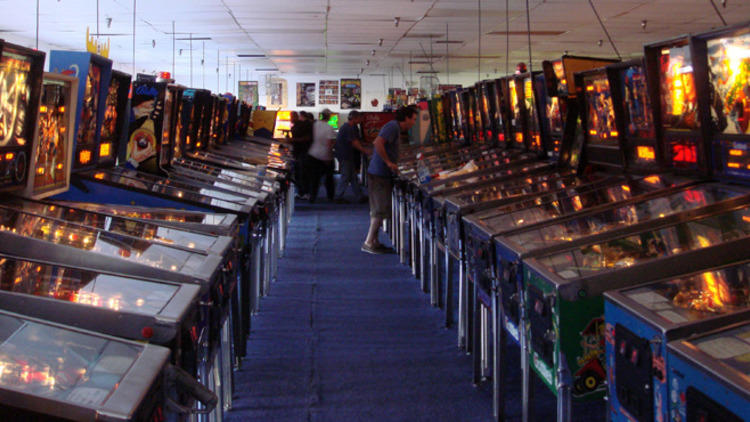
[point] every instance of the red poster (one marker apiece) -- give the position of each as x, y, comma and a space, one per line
373, 122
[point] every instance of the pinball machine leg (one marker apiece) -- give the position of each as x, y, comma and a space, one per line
424, 259
462, 312
476, 347
434, 267
266, 259
227, 372
564, 390
257, 270
498, 364
448, 297
527, 376
402, 231
416, 245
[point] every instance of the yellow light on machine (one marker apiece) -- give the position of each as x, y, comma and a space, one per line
736, 152
104, 149
592, 132
733, 165
40, 170
590, 88
9, 156
59, 166
84, 157
646, 153
61, 109
43, 109
99, 176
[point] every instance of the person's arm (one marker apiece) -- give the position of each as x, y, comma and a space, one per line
380, 149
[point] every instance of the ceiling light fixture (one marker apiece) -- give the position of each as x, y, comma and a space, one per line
380, 42
396, 21
193, 39
643, 24
600, 42
372, 52
251, 55
367, 62
449, 42
109, 22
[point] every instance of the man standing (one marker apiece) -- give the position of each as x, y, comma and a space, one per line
347, 141
320, 156
380, 175
301, 140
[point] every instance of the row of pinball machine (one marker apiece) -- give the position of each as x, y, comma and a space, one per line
602, 230
139, 227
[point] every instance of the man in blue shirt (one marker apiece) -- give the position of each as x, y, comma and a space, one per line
347, 141
383, 167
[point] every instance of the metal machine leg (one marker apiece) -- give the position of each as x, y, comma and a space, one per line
403, 221
476, 337
434, 270
413, 242
527, 376
424, 258
257, 271
564, 390
462, 312
227, 372
498, 364
448, 289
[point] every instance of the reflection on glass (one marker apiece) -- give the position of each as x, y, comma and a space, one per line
152, 214
61, 364
631, 250
53, 128
731, 348
698, 296
15, 94
84, 287
729, 74
679, 104
515, 108
530, 103
638, 117
109, 125
554, 115
90, 108
105, 243
599, 109
166, 128
562, 82
606, 220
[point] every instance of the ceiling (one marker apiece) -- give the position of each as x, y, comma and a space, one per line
352, 37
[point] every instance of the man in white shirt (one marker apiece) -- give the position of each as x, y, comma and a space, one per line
320, 156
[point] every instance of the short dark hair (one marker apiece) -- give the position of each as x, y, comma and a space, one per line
353, 114
404, 113
325, 115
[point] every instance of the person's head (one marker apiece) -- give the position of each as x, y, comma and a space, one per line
325, 115
521, 68
355, 117
406, 117
306, 115
294, 117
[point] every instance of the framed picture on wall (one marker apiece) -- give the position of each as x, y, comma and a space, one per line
305, 94
351, 93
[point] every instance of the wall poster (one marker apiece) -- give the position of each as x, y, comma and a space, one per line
351, 93
248, 92
329, 92
305, 94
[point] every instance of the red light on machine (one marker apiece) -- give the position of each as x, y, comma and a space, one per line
645, 153
685, 153
84, 157
165, 75
694, 196
519, 138
104, 149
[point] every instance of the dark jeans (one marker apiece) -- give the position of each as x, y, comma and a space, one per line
315, 170
300, 174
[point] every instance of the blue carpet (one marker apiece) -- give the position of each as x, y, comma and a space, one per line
348, 336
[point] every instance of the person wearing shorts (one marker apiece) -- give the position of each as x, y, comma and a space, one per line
380, 174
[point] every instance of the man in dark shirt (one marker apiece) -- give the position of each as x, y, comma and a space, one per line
347, 141
383, 167
301, 140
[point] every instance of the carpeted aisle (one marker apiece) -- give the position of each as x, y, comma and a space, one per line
349, 336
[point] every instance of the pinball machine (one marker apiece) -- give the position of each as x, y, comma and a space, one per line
708, 375
564, 288
54, 372
699, 303
521, 231
640, 322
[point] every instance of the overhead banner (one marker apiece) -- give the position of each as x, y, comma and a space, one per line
329, 92
306, 94
351, 94
248, 92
